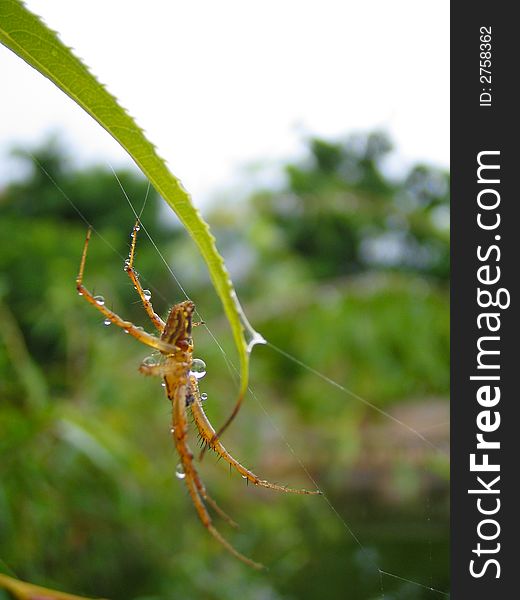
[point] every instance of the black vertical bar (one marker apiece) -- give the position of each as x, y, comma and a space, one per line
484, 118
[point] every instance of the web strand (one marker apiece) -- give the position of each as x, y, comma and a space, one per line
159, 253
416, 583
345, 390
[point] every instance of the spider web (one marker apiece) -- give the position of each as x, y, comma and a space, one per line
367, 556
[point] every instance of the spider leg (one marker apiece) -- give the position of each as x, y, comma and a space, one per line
136, 332
216, 435
152, 370
176, 390
162, 370
145, 299
207, 498
218, 510
208, 435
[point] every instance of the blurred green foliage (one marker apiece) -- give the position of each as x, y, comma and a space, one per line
345, 268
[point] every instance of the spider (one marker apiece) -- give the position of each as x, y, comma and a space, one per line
176, 367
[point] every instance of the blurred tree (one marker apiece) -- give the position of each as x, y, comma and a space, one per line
341, 214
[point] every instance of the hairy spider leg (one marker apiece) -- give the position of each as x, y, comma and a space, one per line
140, 335
208, 435
132, 273
176, 388
207, 498
129, 268
216, 435
162, 370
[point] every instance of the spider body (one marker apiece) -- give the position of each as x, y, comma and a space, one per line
175, 344
177, 330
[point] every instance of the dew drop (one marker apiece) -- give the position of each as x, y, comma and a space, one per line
80, 293
137, 228
172, 429
127, 262
179, 472
163, 384
107, 322
198, 368
147, 294
150, 361
251, 336
140, 328
99, 300
203, 396
126, 330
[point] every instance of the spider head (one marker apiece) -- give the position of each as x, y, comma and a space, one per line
177, 330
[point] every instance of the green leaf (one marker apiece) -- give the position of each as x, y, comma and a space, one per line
27, 591
26, 35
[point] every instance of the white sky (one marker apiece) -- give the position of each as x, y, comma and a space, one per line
219, 85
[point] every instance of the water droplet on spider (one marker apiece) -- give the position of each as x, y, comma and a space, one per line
99, 300
179, 472
137, 228
127, 262
80, 293
163, 384
126, 330
203, 396
147, 294
150, 361
107, 322
198, 368
172, 429
140, 328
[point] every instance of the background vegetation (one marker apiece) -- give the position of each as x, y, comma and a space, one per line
345, 268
